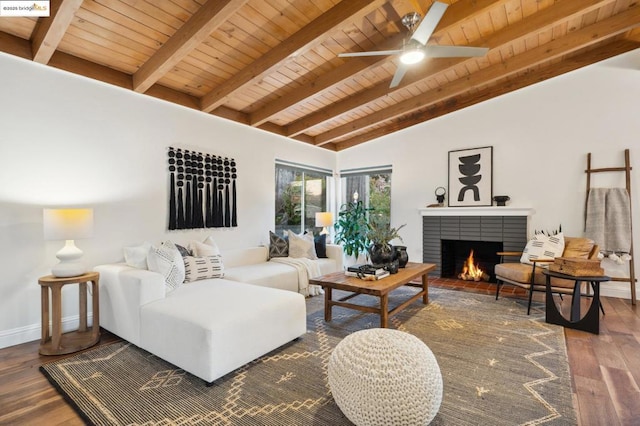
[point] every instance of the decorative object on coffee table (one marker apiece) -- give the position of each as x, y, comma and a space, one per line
470, 177
385, 377
501, 200
380, 234
401, 255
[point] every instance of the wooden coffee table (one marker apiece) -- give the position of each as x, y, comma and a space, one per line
380, 288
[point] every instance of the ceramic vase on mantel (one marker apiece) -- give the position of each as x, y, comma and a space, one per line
400, 253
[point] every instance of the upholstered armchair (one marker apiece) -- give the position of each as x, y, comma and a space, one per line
530, 276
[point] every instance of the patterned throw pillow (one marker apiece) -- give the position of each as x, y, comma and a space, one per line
167, 260
278, 246
302, 245
201, 268
543, 246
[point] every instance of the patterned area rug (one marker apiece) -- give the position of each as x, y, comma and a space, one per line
499, 366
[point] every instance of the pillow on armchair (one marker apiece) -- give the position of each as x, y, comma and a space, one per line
543, 246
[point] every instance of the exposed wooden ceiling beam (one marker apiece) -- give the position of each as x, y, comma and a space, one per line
49, 31
324, 83
461, 11
571, 42
15, 46
206, 20
545, 19
305, 38
570, 64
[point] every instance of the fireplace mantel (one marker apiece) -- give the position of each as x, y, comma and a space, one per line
477, 211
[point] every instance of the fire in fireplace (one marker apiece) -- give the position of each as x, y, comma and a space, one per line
455, 257
471, 271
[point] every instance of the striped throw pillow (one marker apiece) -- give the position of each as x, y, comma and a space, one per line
201, 268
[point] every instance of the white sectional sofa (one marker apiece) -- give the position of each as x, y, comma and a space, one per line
212, 326
251, 266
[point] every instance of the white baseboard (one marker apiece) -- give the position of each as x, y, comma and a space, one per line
616, 289
33, 332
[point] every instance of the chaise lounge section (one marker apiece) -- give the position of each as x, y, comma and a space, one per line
213, 326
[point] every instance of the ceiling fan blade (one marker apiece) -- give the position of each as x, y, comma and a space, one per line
397, 77
429, 22
454, 51
371, 53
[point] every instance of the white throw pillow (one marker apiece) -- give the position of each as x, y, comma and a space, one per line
302, 245
543, 246
136, 256
167, 260
200, 268
206, 248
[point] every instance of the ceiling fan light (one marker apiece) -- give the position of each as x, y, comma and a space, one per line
412, 56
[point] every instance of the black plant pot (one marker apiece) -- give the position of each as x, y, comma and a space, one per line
381, 254
401, 255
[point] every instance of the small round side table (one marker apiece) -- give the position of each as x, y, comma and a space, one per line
54, 342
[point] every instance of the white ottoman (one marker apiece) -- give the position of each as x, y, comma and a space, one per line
385, 377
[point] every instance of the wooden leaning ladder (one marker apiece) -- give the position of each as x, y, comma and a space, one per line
627, 170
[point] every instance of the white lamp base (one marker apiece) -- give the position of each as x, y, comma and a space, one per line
70, 264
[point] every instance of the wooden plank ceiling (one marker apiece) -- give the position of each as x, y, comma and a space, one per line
274, 64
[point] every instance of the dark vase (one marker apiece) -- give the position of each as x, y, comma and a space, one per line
381, 254
402, 255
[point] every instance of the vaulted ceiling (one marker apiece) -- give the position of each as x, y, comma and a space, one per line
273, 64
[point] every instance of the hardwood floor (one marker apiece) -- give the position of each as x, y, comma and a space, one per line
605, 369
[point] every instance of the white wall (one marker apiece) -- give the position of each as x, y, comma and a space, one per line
540, 136
69, 141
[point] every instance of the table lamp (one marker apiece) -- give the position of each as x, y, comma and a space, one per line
324, 219
69, 225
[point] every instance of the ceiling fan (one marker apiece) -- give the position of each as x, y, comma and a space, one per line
415, 50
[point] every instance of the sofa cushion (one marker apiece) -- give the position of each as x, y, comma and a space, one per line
577, 247
278, 246
200, 268
302, 245
520, 274
268, 274
167, 260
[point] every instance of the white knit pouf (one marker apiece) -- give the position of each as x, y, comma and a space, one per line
385, 377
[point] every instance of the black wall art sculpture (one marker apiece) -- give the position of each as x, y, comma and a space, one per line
471, 177
202, 190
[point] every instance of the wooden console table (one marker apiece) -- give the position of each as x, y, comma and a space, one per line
54, 342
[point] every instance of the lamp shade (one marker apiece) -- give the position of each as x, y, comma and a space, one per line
324, 219
67, 224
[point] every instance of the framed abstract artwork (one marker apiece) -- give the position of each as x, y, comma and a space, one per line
471, 177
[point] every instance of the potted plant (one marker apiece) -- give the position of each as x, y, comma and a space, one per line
352, 227
380, 235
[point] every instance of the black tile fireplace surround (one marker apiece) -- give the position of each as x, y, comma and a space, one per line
509, 231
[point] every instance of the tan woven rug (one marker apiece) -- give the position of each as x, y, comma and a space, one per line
499, 366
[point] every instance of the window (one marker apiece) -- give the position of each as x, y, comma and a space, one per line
301, 192
370, 185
